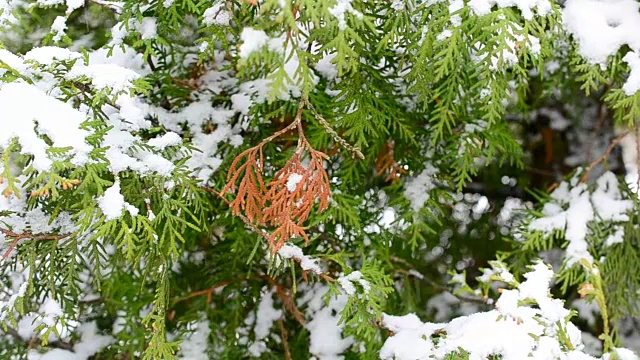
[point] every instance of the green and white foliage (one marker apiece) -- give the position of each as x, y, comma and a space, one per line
328, 179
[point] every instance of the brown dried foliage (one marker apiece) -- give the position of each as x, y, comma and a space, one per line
194, 77
386, 164
278, 203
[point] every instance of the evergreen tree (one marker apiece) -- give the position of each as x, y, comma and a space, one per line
327, 179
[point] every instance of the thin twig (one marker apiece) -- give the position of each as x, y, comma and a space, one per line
604, 156
52, 344
17, 237
296, 121
152, 66
355, 152
285, 343
208, 291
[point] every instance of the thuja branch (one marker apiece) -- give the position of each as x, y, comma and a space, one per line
594, 290
286, 201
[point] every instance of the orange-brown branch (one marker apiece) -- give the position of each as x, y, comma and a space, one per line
208, 291
21, 236
386, 163
282, 202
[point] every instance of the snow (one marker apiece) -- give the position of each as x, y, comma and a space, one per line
166, 140
203, 46
508, 56
632, 85
112, 203
341, 8
52, 311
6, 306
73, 5
292, 181
106, 76
47, 55
526, 7
616, 237
417, 189
195, 343
454, 7
482, 205
116, 73
398, 5
348, 283
252, 40
149, 162
630, 160
58, 120
410, 338
123, 56
124, 151
530, 331
608, 201
58, 27
241, 103
11, 59
289, 251
91, 342
625, 354
326, 67
259, 90
6, 11
589, 311
571, 210
498, 271
265, 316
445, 34
217, 15
601, 28
325, 335
148, 28
118, 33
50, 2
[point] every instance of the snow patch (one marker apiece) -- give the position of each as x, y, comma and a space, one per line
112, 203
54, 118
